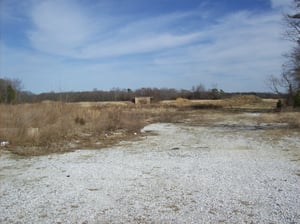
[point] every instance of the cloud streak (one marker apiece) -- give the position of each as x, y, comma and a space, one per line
245, 46
64, 29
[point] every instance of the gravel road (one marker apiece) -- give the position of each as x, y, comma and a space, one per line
176, 174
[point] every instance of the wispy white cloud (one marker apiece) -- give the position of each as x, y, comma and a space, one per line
62, 28
59, 27
137, 45
244, 46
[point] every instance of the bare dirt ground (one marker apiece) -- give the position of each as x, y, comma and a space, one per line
232, 170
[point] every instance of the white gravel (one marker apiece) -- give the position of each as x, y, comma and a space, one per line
182, 175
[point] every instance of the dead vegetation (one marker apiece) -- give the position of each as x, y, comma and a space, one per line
49, 127
35, 129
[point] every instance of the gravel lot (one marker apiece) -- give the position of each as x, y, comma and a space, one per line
225, 173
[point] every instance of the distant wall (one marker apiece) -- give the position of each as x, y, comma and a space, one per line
142, 100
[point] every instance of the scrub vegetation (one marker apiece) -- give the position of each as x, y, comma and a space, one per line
51, 127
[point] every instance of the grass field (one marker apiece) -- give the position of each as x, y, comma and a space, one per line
49, 127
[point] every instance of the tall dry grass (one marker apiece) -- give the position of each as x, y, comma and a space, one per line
34, 124
52, 126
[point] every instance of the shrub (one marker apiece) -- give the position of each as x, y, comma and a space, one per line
79, 120
297, 99
279, 105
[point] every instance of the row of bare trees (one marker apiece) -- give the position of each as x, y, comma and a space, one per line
11, 92
117, 94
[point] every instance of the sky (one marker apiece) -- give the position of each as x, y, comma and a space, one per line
81, 45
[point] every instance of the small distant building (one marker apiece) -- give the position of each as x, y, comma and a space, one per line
143, 100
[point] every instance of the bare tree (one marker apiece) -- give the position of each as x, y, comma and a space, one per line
293, 33
283, 85
198, 91
289, 80
292, 22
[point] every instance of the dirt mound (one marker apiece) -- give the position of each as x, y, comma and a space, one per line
182, 100
244, 100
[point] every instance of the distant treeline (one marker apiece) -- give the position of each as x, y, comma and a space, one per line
10, 92
129, 95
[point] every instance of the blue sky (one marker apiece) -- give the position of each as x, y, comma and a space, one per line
75, 45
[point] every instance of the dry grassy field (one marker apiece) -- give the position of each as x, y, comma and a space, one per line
48, 127
42, 128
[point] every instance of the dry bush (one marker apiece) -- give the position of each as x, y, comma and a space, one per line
80, 120
107, 119
133, 120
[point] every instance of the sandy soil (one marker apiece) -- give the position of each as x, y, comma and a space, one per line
225, 173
